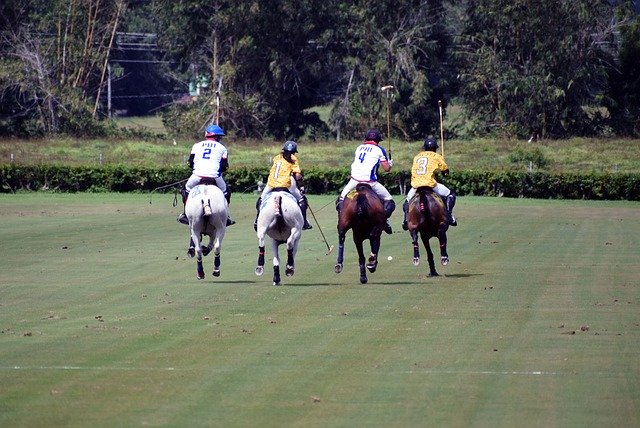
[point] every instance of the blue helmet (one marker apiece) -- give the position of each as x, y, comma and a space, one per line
290, 146
212, 131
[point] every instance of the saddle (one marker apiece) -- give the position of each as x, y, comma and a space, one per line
423, 192
208, 181
360, 186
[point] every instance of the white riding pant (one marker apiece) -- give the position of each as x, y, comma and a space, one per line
380, 190
440, 189
194, 180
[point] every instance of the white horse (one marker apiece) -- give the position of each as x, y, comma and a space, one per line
281, 219
207, 211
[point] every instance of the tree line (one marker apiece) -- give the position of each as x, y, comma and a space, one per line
549, 68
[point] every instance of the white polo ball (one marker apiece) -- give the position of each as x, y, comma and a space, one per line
389, 258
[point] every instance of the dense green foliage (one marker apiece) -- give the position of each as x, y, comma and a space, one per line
323, 180
517, 69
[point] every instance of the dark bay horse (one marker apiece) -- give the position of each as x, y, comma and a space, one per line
428, 217
362, 212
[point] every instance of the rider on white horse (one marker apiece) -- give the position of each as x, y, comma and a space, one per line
208, 160
285, 174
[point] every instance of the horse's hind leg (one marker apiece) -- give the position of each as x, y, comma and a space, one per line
442, 238
260, 267
416, 247
372, 263
292, 246
341, 237
432, 265
217, 245
197, 252
361, 260
276, 262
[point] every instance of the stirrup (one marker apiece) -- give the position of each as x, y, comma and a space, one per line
230, 222
306, 226
405, 225
387, 228
453, 221
183, 219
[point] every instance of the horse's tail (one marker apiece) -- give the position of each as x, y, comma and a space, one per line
277, 206
206, 206
362, 204
424, 203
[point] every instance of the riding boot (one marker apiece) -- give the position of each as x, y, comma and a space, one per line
389, 207
255, 223
450, 203
339, 202
183, 217
405, 210
302, 203
227, 196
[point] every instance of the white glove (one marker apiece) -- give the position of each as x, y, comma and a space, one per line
390, 162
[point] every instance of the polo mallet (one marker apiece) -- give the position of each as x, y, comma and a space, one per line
441, 128
386, 89
329, 247
218, 101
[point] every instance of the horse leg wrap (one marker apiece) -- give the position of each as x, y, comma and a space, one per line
255, 222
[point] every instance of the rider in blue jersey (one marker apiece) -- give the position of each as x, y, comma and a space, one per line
208, 160
368, 157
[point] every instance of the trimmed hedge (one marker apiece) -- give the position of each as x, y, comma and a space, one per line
15, 177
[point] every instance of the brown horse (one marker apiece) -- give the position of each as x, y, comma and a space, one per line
363, 212
427, 216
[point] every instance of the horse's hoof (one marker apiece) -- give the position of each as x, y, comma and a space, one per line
363, 280
444, 261
276, 283
372, 268
216, 272
200, 275
205, 250
289, 271
416, 261
338, 268
191, 252
259, 270
434, 273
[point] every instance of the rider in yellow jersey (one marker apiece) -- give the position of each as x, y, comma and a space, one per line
286, 174
423, 171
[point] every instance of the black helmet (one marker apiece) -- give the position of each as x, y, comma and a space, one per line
430, 144
290, 146
373, 135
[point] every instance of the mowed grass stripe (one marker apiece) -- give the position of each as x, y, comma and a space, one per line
487, 343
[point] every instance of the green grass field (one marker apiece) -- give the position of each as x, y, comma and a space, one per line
103, 323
